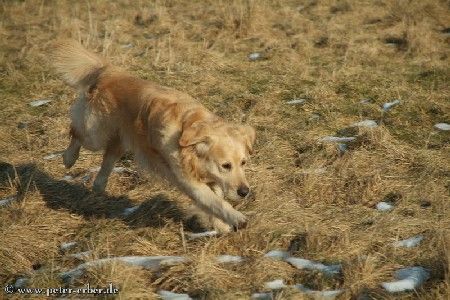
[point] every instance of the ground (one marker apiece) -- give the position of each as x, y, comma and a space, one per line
307, 196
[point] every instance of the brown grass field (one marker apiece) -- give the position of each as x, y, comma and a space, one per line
332, 53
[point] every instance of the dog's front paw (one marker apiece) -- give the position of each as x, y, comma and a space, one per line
237, 220
220, 226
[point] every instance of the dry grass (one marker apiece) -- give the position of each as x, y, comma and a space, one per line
331, 52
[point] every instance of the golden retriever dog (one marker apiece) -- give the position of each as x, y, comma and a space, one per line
169, 133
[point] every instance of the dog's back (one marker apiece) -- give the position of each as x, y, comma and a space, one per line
115, 105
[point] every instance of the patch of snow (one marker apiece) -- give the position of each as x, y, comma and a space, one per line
277, 254
130, 210
255, 56
332, 294
21, 282
167, 295
53, 155
67, 246
342, 148
388, 105
366, 101
302, 263
197, 235
407, 279
314, 117
222, 259
67, 178
153, 263
366, 123
40, 102
409, 243
81, 255
85, 178
262, 296
296, 101
127, 46
7, 200
442, 126
275, 284
337, 139
384, 206
120, 169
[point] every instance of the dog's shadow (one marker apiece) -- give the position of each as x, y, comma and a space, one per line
77, 199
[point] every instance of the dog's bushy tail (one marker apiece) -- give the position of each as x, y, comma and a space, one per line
77, 66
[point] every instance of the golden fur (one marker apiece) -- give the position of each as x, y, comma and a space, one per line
167, 131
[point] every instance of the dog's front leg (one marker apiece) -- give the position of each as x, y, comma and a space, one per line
215, 222
211, 203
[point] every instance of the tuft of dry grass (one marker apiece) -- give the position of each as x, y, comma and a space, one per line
307, 196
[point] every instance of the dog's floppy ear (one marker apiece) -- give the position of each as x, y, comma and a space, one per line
249, 136
193, 135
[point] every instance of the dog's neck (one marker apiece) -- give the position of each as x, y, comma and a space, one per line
190, 164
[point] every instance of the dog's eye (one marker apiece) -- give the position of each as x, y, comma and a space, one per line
243, 163
226, 166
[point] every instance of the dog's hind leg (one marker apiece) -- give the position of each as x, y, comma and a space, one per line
113, 152
72, 152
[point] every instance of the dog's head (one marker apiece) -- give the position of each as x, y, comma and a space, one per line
218, 153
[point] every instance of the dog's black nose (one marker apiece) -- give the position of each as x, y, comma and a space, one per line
243, 191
